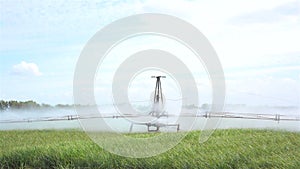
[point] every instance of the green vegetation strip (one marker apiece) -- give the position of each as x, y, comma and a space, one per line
236, 148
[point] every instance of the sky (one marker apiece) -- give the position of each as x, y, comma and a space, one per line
256, 41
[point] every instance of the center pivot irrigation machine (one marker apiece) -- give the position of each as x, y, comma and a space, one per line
157, 109
159, 117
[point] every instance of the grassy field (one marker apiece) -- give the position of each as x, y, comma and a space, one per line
234, 148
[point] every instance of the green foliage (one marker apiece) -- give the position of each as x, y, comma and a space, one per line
3, 105
236, 148
63, 105
19, 105
12, 104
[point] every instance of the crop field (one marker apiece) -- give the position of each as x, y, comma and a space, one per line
231, 148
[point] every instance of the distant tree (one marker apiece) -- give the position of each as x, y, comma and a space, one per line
191, 106
63, 105
205, 106
30, 104
46, 105
14, 104
3, 105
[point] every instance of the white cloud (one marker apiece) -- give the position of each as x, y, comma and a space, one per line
26, 69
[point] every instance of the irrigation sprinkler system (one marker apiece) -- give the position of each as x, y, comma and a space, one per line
158, 112
274, 117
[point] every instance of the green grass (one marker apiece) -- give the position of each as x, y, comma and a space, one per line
236, 148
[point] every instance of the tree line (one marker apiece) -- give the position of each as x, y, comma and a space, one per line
30, 104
